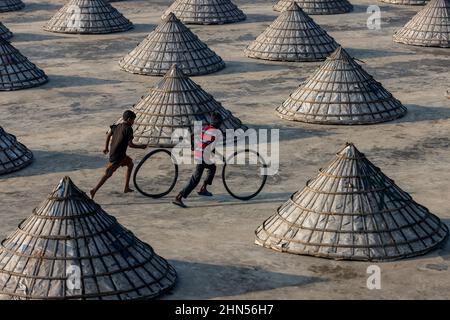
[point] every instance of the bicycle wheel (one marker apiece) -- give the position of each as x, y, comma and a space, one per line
244, 180
156, 175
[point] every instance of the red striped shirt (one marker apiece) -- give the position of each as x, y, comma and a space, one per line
206, 138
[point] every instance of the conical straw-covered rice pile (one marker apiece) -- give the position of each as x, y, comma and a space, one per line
317, 6
205, 11
4, 32
341, 92
407, 2
88, 17
69, 248
293, 36
176, 102
16, 71
430, 27
352, 211
172, 42
11, 5
13, 154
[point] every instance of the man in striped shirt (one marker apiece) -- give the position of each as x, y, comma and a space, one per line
203, 158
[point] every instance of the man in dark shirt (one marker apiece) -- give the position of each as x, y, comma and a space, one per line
120, 137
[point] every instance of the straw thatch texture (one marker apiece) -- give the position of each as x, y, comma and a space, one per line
16, 71
407, 2
352, 211
88, 17
341, 92
205, 11
13, 155
11, 5
69, 248
4, 32
430, 27
317, 6
175, 103
293, 36
171, 42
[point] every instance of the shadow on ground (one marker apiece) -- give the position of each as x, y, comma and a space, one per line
27, 37
360, 53
252, 18
54, 162
208, 281
60, 81
250, 65
418, 113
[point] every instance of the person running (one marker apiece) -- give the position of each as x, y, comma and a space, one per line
202, 155
120, 137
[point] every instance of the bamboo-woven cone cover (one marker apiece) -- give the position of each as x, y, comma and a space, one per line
293, 36
172, 42
351, 210
407, 2
341, 92
206, 11
4, 32
16, 71
88, 17
11, 5
430, 27
317, 6
69, 248
13, 155
175, 103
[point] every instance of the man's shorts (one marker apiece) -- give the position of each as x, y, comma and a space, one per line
112, 167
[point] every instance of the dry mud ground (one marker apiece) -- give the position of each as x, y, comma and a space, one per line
211, 243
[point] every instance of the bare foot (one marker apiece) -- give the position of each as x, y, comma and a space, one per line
92, 192
128, 190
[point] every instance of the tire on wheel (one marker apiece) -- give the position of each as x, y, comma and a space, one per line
263, 180
141, 188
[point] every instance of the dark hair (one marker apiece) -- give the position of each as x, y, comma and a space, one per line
216, 119
129, 115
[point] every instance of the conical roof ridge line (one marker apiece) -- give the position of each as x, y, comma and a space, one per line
380, 224
100, 18
206, 12
151, 56
289, 38
120, 264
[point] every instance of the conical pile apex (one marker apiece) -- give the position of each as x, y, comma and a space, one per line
205, 11
341, 92
88, 17
171, 42
69, 248
430, 27
16, 71
293, 36
352, 211
176, 102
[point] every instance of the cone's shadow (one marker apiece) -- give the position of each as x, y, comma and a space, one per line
60, 81
418, 113
254, 18
207, 281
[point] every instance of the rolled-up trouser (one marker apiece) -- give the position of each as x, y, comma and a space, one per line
197, 175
